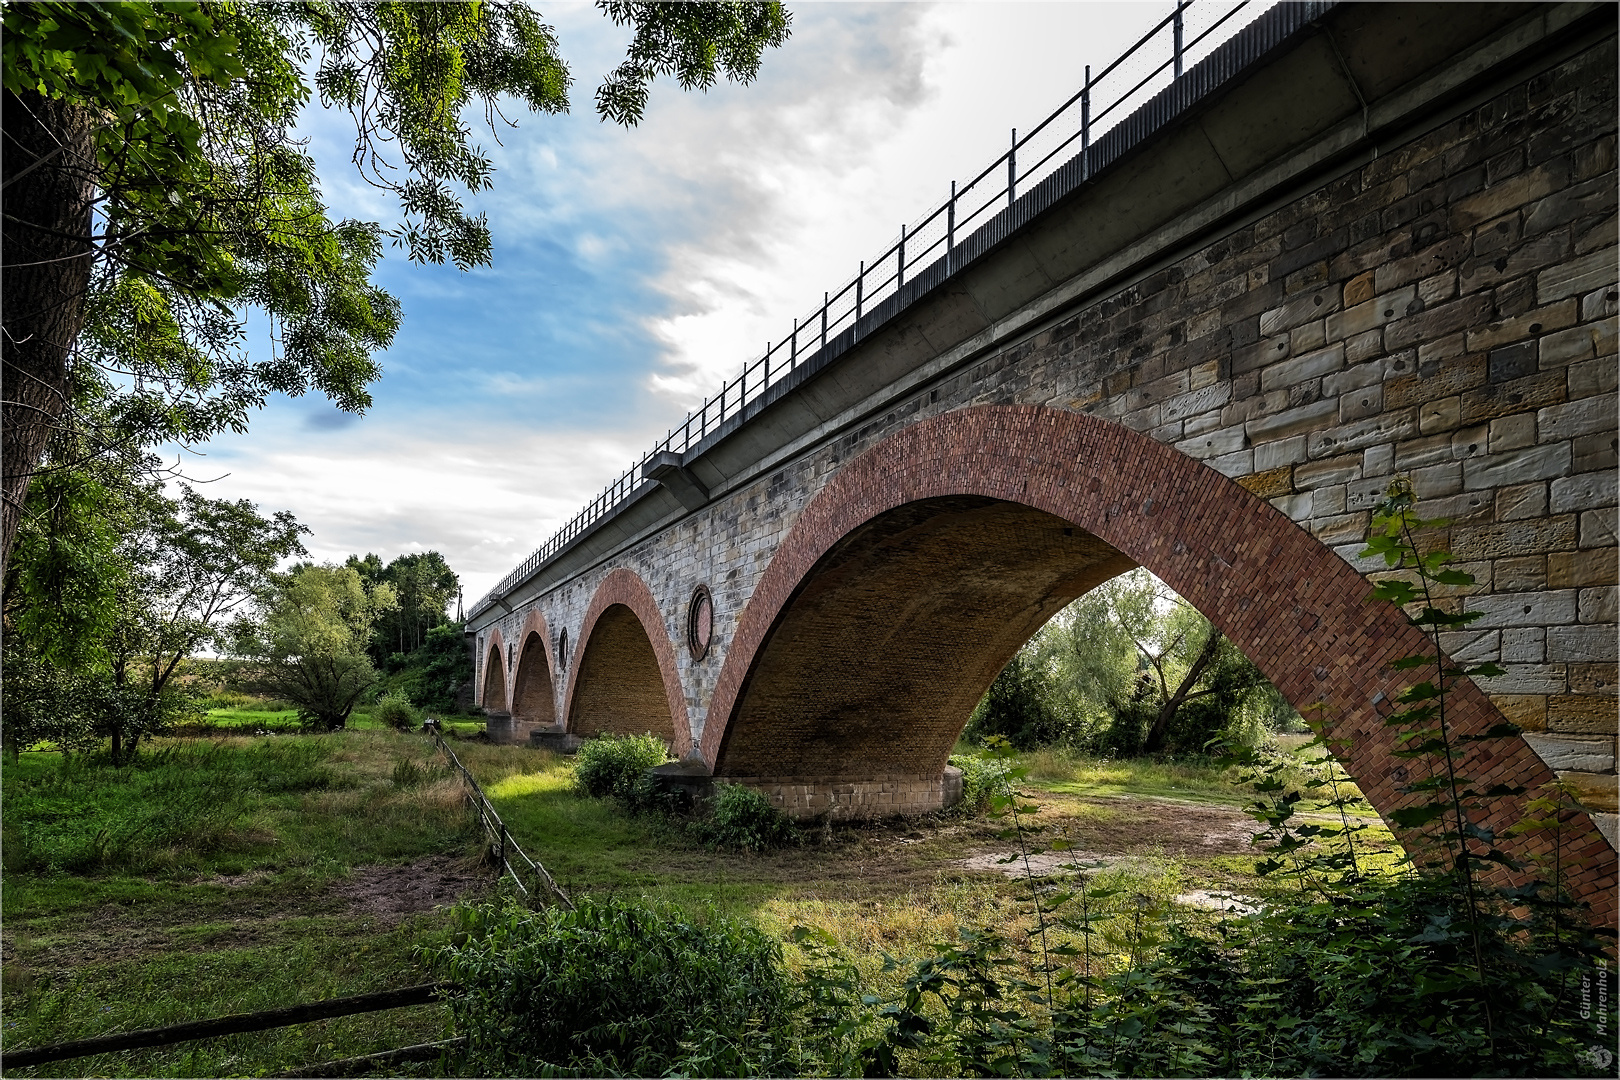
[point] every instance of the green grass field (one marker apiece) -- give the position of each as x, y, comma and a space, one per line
235, 873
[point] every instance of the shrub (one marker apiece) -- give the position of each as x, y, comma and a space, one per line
744, 818
617, 988
397, 712
981, 779
615, 766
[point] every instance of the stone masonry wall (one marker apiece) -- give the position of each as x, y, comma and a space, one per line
1447, 312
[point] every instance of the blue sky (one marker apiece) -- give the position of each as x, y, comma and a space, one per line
635, 269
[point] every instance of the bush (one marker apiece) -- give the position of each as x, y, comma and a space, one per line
617, 988
744, 818
615, 766
397, 712
981, 779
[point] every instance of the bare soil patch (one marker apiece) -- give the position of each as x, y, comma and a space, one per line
392, 893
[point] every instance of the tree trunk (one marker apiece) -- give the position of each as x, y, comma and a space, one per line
1161, 724
46, 276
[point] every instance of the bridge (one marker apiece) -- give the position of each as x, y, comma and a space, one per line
1196, 321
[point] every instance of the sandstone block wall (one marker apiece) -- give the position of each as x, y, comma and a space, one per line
1446, 311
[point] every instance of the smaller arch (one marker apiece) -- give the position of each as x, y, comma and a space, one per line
493, 698
534, 686
622, 676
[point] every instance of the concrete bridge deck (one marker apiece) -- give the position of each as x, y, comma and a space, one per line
1363, 241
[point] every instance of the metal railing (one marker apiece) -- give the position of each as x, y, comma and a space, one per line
939, 243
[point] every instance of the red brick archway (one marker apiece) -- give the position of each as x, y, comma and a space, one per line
622, 677
1006, 474
494, 697
534, 695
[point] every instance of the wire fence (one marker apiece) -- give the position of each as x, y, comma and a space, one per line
502, 846
976, 214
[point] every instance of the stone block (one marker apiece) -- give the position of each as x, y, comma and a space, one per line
1598, 528
1388, 426
1577, 276
1529, 324
1300, 309
1582, 644
1565, 752
1597, 566
1594, 791
1272, 455
1438, 321
1378, 460
1584, 491
1437, 480
1346, 529
1379, 311
1194, 402
1511, 194
1592, 378
1513, 432
1299, 369
1571, 418
1524, 573
1511, 362
1370, 373
1532, 392
1527, 679
1598, 604
1213, 444
1442, 415
1507, 539
1528, 711
1595, 678
1263, 352
1360, 404
1521, 501
1524, 645
1300, 420
1601, 302
1238, 463
1568, 346
1549, 607
1597, 451
1429, 450
1581, 715
1312, 335
1334, 470
1270, 483
1517, 466
1472, 646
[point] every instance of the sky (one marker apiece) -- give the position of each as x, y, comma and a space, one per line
636, 269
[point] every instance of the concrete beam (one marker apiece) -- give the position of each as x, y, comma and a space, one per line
666, 468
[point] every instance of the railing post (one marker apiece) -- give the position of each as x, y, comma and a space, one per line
793, 354
1085, 127
860, 280
950, 232
826, 298
1012, 170
900, 274
766, 385
1179, 5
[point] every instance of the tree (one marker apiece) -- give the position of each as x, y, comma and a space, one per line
308, 643
424, 585
154, 190
114, 585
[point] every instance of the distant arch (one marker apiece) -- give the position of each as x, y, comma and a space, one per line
494, 697
534, 691
622, 677
924, 562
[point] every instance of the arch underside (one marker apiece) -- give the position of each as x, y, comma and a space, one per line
534, 698
494, 700
897, 632
619, 686
917, 571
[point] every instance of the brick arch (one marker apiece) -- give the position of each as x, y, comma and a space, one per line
494, 696
622, 677
534, 687
1008, 472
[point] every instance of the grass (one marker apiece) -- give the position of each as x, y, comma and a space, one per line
230, 873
